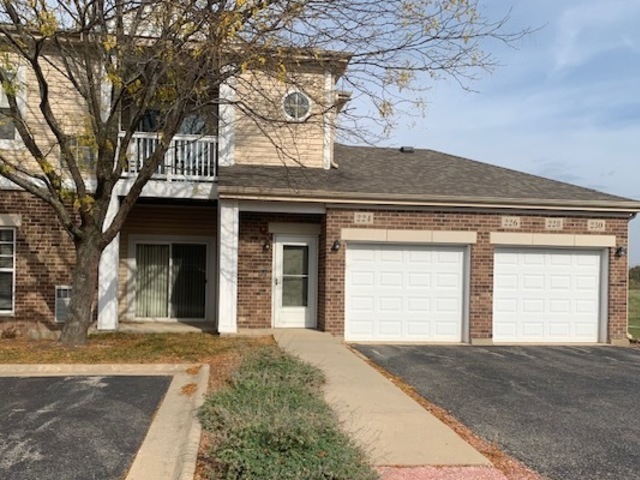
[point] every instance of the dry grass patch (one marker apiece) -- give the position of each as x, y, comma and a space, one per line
132, 348
223, 355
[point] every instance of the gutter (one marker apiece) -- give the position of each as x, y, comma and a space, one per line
630, 207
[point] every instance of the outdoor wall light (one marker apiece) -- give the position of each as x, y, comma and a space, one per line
336, 246
621, 251
266, 247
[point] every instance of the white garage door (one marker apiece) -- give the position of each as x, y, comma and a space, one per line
546, 295
403, 293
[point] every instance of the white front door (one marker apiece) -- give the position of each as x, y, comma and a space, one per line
295, 280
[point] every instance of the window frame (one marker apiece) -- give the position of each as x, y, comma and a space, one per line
21, 97
5, 113
290, 117
11, 270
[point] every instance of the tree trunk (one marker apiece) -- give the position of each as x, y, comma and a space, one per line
84, 284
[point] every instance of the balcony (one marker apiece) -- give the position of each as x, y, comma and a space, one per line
189, 158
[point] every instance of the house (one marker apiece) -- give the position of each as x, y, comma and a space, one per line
370, 244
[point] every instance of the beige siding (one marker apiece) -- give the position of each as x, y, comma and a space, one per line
67, 105
161, 220
277, 141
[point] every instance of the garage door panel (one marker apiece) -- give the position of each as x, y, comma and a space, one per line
418, 292
448, 280
546, 295
390, 279
419, 279
362, 279
390, 304
560, 282
506, 280
560, 329
584, 282
391, 256
533, 282
562, 306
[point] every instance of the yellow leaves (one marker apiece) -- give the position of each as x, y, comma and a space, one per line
385, 109
46, 167
281, 72
115, 79
47, 23
134, 87
109, 43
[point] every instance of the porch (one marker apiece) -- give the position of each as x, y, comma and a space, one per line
189, 158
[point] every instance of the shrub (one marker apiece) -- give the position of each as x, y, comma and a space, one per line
271, 422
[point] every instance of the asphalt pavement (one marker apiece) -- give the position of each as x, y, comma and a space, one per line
570, 413
76, 427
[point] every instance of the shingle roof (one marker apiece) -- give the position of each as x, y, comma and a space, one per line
385, 173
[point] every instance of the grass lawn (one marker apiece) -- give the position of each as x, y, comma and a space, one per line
634, 313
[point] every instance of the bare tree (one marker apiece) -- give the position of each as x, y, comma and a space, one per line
115, 60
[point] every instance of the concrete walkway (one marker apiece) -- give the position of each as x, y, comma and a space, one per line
391, 426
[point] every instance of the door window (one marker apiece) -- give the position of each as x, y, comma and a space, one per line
295, 275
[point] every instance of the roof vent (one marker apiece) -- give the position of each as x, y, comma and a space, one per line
407, 149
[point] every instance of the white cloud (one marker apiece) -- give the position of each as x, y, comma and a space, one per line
592, 28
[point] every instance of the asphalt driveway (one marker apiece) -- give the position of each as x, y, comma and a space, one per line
80, 427
570, 413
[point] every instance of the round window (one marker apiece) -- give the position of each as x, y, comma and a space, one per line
297, 105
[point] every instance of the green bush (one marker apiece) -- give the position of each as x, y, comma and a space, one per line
272, 422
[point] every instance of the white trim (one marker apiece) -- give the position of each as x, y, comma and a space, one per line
295, 228
12, 270
291, 91
164, 189
327, 120
603, 327
105, 95
385, 235
108, 274
552, 239
228, 231
226, 124
312, 242
209, 298
21, 99
282, 207
466, 295
353, 200
10, 220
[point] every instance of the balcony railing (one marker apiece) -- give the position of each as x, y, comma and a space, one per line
189, 158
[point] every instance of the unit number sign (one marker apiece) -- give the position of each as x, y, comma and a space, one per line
510, 222
363, 218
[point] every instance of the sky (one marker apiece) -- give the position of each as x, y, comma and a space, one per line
565, 104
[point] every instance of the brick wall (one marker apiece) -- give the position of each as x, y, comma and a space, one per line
331, 282
44, 257
255, 266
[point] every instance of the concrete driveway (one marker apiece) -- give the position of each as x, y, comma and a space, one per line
570, 413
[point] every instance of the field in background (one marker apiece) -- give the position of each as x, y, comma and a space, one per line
634, 313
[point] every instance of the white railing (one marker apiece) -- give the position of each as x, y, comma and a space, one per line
190, 157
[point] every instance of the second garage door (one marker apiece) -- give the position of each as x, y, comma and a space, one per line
546, 295
404, 293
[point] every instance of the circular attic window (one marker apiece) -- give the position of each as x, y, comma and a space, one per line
297, 105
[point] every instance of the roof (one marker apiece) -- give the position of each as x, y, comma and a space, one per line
387, 175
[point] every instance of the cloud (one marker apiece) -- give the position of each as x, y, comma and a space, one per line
591, 29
